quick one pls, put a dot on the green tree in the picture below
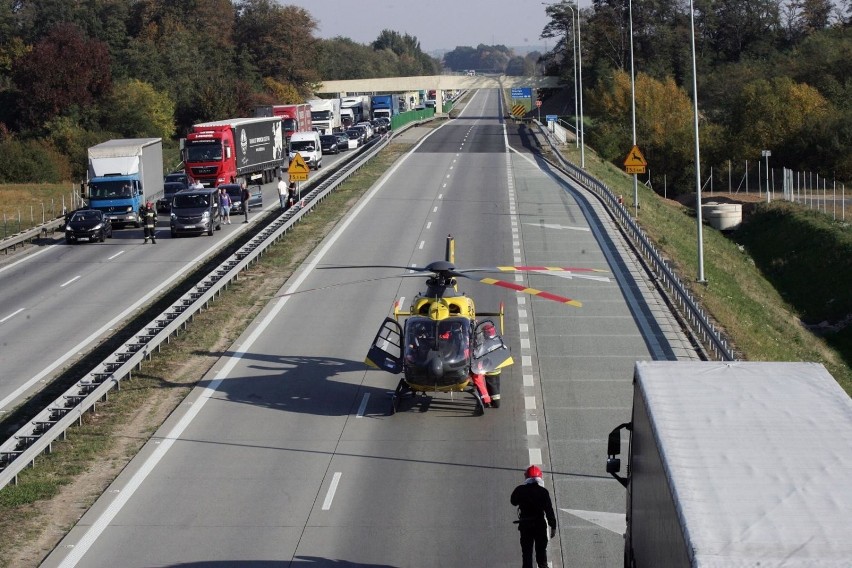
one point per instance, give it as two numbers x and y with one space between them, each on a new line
135 109
62 71
278 39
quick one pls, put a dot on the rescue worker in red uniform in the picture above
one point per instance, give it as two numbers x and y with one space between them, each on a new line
148 215
535 513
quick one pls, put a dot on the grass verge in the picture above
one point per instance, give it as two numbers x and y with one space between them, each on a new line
738 292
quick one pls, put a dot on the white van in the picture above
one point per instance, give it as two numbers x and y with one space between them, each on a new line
308 145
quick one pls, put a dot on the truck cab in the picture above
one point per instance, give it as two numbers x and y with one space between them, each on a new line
118 197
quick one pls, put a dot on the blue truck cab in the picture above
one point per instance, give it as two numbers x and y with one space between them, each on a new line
122 174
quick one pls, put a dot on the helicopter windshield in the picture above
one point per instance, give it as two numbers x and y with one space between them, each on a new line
454 339
419 340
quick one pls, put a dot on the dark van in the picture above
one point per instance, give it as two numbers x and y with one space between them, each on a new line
195 211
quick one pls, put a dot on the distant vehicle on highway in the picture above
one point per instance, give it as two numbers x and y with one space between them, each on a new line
88 225
368 126
328 142
342 140
177 177
356 137
164 204
235 192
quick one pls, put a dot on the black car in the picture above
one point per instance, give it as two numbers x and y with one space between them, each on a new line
179 177
342 140
386 121
379 126
164 204
235 192
356 137
87 225
329 144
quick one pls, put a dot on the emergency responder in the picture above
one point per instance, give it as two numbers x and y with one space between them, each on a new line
535 513
148 215
492 380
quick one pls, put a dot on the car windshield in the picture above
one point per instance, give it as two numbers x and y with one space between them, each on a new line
86 216
109 189
328 139
204 152
302 145
190 200
353 134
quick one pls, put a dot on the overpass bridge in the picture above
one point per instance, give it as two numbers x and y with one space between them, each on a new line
436 82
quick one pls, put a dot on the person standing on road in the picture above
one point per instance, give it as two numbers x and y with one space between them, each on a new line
148 215
244 195
282 192
535 513
225 205
293 193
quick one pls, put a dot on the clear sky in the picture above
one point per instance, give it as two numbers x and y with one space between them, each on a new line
437 25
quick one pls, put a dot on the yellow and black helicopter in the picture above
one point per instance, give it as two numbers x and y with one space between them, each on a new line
443 344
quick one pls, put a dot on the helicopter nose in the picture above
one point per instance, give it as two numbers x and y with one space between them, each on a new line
436 368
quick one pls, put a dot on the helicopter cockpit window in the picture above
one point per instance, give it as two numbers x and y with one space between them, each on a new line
419 339
454 339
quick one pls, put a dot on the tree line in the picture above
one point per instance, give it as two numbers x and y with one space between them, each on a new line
73 74
772 75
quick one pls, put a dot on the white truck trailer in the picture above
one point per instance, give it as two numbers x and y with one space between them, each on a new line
325 115
735 464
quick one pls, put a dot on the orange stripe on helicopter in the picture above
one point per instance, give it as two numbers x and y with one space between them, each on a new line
531 291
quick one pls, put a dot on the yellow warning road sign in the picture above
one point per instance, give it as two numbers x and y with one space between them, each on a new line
635 162
298 166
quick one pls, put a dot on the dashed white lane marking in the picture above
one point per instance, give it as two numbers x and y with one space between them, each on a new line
532 427
535 456
13 314
70 281
329 497
615 522
363 407
116 255
529 402
422 244
528 380
435 210
440 196
429 225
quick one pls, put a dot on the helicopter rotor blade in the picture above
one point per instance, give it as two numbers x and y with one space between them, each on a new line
519 288
541 269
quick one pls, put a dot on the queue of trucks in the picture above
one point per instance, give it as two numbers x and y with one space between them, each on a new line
123 173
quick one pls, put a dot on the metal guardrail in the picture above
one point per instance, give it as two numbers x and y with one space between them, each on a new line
36 437
31 234
691 311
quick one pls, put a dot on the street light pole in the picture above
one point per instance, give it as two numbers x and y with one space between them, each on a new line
699 220
580 73
574 61
633 107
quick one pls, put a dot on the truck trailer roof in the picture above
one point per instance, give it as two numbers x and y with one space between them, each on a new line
234 122
121 148
759 458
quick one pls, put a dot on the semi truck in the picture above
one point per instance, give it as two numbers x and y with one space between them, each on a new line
356 107
325 115
385 106
121 173
736 464
235 150
295 118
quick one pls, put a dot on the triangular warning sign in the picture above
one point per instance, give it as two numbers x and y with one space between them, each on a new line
635 158
298 165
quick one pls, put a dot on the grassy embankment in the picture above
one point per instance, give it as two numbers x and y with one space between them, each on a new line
785 267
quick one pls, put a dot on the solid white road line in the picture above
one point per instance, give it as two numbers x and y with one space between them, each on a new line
329 497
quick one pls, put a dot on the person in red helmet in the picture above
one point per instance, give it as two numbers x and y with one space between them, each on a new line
148 215
535 513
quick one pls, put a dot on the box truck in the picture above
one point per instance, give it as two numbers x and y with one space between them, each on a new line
235 150
357 106
121 173
736 464
294 118
385 106
325 115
